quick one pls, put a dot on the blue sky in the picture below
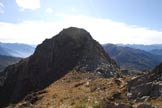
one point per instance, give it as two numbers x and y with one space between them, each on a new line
109 21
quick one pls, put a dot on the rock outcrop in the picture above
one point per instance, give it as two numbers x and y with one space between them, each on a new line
146 85
72 48
143 105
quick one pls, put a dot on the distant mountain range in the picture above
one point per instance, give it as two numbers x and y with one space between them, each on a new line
128 56
143 47
155 49
157 52
11 53
134 57
16 49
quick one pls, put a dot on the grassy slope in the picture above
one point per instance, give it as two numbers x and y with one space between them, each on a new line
83 90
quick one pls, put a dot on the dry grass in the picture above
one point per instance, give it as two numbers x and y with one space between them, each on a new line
83 90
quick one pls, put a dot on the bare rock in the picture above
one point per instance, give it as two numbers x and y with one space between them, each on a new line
143 105
147 85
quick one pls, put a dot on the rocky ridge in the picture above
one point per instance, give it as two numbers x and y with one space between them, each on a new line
71 49
147 85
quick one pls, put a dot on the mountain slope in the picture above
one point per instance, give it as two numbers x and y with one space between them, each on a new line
71 49
78 90
7 60
147 86
142 47
16 50
157 52
133 59
3 52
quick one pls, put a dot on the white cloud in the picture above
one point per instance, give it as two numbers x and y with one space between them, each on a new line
73 9
103 30
49 10
28 4
2 8
2 5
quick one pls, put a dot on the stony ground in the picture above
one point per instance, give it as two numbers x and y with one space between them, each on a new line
85 90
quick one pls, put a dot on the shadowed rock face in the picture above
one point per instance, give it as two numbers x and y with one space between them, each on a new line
72 48
147 85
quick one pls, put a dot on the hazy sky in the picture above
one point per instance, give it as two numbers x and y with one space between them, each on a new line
108 21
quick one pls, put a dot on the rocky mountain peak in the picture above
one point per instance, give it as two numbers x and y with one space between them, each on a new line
75 33
72 48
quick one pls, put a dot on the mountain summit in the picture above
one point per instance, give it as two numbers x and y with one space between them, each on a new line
71 49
